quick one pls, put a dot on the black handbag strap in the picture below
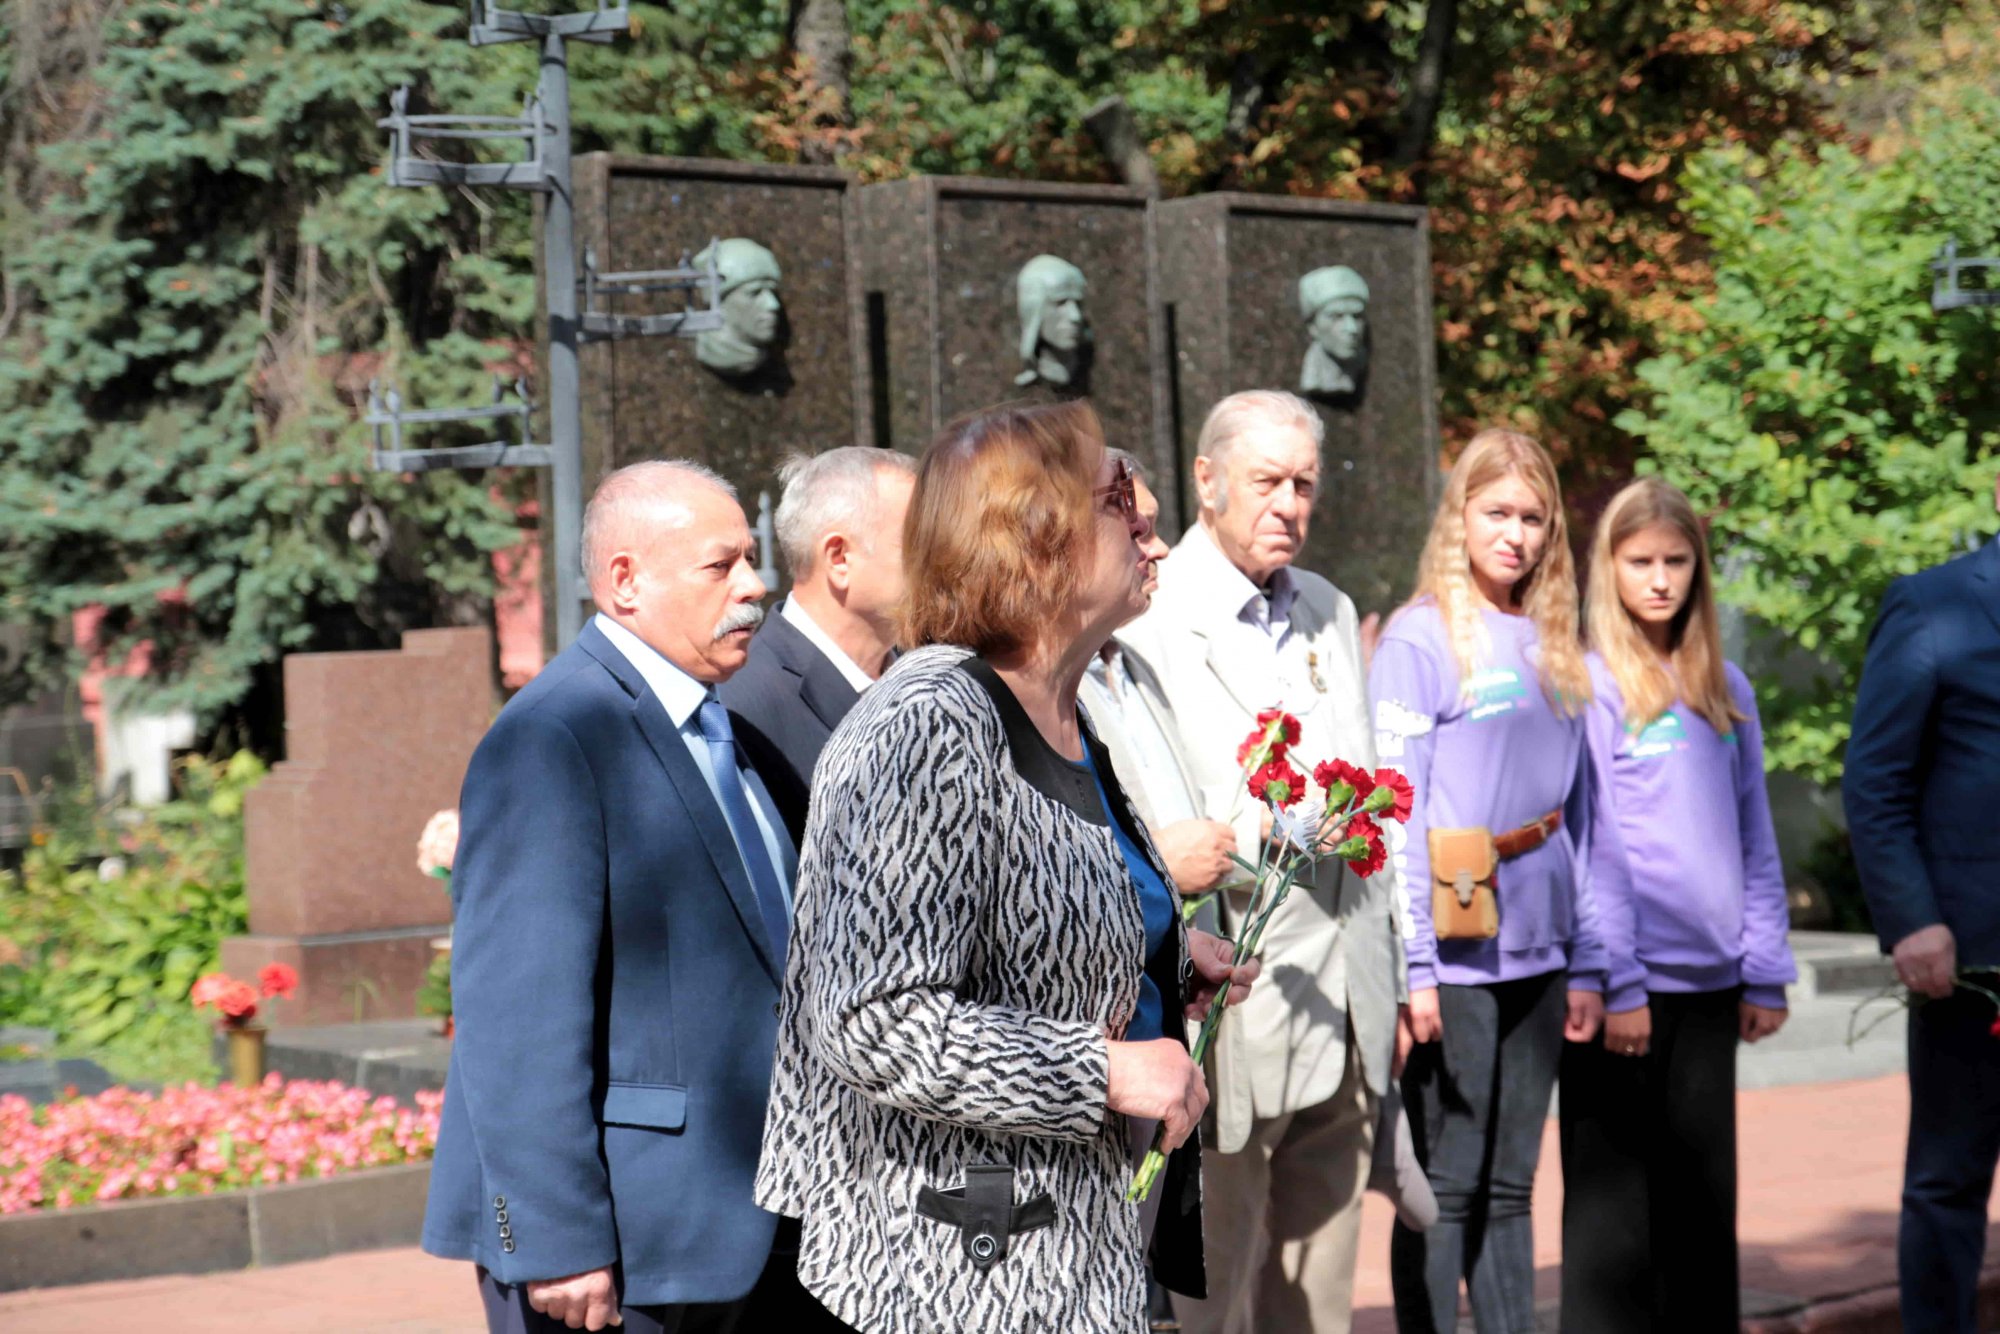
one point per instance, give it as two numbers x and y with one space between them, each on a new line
984 1212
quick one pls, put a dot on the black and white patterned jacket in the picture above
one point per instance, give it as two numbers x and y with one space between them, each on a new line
962 947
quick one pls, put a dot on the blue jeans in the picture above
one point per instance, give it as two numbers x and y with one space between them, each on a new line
1477 1100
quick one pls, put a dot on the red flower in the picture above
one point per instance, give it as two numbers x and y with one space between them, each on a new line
1995 1030
238 1000
1254 746
1397 807
1331 772
1278 783
208 989
1362 847
277 979
1277 731
1289 728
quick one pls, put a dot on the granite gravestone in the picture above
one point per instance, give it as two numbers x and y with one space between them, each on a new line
375 744
984 291
1331 300
786 373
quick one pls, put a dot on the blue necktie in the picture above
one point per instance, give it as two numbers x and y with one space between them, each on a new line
714 721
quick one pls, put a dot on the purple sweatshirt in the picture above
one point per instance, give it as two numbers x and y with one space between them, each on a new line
1493 754
1683 860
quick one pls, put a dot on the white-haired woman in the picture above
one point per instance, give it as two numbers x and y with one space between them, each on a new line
1480 691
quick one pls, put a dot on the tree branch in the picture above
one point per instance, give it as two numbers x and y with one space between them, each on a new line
1111 124
817 31
1420 113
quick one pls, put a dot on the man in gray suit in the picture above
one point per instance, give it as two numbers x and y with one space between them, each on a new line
1298 1068
840 526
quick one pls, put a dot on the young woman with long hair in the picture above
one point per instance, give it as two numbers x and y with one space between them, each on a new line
1691 904
1480 691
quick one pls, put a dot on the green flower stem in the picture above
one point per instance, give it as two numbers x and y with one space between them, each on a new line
1268 893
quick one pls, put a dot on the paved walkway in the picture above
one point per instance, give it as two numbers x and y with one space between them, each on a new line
1821 1168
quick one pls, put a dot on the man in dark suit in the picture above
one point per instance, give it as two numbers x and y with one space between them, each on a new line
840 525
1921 788
622 902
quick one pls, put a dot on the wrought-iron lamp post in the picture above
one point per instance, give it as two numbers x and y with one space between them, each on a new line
543 130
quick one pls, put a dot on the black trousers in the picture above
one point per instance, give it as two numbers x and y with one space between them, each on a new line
1948 1170
1649 1175
1477 1101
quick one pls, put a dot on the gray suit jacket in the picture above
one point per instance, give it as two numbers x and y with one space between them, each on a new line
1333 956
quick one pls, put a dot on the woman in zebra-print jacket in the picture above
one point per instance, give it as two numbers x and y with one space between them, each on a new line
987 965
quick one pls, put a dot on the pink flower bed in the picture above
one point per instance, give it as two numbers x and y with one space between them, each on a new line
123 1145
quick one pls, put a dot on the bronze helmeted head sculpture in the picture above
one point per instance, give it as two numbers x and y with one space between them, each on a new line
1055 330
752 314
1333 301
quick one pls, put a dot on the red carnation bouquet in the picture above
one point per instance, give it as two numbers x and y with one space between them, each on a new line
1345 822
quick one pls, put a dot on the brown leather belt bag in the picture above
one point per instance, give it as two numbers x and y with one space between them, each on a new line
1465 869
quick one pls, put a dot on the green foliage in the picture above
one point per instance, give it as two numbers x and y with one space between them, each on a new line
207 270
1838 431
434 996
111 919
200 268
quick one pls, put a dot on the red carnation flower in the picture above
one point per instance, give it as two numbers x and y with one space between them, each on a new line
1397 808
1364 837
1278 783
277 979
238 1000
1331 772
1289 729
208 989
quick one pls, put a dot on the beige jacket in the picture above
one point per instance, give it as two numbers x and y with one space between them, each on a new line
1333 956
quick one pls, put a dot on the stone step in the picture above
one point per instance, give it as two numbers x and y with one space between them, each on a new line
1839 963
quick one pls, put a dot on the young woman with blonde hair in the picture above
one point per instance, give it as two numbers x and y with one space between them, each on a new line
1480 691
1691 901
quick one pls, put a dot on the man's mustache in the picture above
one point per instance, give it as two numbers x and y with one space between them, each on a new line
742 616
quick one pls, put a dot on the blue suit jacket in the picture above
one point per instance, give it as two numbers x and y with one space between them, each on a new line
784 705
1922 783
615 1003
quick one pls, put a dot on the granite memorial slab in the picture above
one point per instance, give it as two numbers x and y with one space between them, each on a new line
1331 300
787 370
375 744
982 291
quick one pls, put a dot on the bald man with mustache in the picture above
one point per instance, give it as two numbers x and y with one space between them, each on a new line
621 905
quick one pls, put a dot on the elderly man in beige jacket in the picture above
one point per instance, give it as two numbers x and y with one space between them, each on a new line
1298 1068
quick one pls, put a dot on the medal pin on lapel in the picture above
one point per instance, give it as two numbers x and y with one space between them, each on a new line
1312 670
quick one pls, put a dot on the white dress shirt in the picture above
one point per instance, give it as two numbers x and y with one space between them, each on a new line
680 695
821 640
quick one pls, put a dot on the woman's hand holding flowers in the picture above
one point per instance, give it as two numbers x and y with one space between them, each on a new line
1159 1081
1214 966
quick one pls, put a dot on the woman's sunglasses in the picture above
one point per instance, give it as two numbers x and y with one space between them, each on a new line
1123 494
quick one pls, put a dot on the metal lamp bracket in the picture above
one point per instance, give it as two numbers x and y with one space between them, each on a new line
599 325
490 25
388 420
1946 294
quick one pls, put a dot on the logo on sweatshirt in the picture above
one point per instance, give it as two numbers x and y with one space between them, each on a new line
1664 735
1493 692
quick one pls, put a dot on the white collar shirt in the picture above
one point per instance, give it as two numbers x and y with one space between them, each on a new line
850 670
680 695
